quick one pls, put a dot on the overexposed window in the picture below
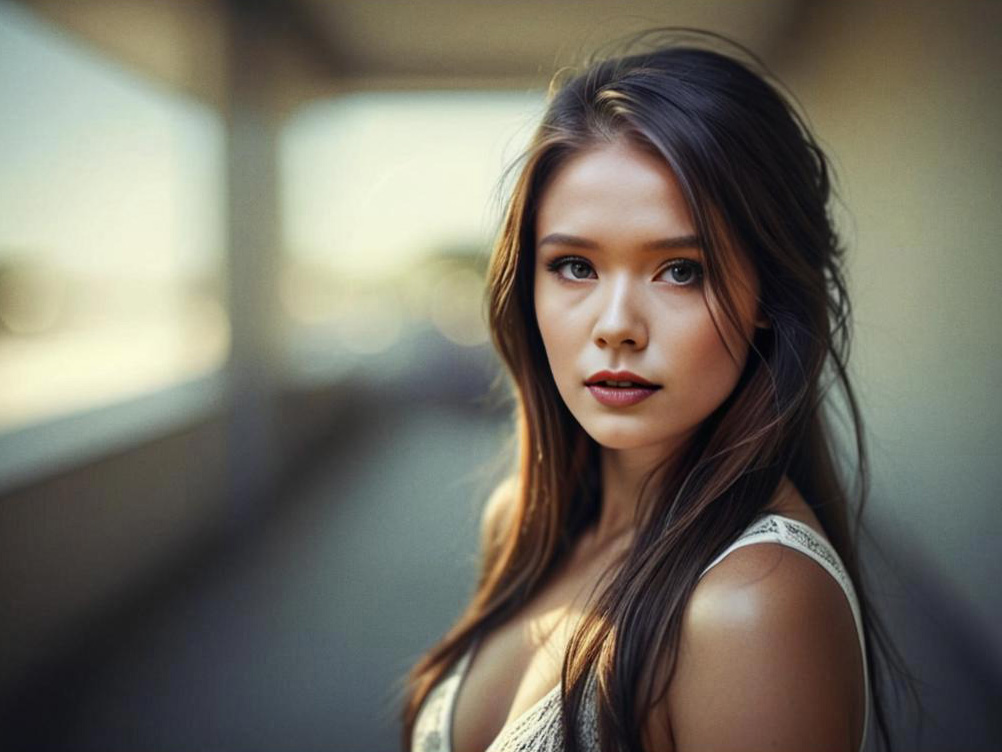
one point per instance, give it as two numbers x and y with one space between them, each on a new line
390 202
111 228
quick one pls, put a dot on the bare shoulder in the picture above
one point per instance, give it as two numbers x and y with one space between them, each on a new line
497 513
768 659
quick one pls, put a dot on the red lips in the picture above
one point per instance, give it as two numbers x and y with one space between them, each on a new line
620 376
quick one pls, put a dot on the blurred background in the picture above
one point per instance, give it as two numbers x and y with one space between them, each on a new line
246 424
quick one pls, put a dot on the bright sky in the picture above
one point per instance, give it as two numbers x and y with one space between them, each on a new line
116 185
107 174
370 180
110 177
104 172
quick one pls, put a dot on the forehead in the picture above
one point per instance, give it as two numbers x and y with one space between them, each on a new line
619 197
612 189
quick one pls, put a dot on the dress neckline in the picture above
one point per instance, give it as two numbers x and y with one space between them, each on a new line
463 671
463 668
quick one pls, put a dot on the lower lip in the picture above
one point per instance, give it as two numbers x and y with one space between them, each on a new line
619 397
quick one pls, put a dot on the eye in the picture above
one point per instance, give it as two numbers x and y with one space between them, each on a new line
577 268
684 272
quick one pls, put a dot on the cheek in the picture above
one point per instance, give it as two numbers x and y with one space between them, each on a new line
560 359
561 335
725 360
552 332
701 358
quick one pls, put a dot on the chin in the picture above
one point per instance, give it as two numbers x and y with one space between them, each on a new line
621 438
621 433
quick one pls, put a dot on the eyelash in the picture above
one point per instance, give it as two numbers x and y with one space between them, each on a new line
557 264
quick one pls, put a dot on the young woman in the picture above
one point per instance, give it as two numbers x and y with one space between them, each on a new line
667 297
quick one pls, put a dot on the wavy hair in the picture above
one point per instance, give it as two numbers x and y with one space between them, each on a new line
756 180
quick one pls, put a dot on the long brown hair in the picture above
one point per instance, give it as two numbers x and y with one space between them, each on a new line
755 180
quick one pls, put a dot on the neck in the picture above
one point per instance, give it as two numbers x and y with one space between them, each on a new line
623 474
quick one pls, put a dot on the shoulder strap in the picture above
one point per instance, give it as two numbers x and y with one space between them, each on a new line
774 528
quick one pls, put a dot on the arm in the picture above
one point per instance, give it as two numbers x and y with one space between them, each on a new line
768 660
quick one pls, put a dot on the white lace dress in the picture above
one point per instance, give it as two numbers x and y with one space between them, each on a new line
538 729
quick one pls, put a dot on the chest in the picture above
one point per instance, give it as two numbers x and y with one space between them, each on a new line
516 668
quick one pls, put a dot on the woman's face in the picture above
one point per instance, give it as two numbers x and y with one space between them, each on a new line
619 287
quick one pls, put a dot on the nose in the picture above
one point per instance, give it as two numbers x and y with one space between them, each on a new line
620 322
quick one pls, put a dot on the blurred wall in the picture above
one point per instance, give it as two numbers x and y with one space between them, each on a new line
76 543
907 99
102 514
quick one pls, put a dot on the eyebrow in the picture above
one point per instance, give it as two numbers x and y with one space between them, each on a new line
662 244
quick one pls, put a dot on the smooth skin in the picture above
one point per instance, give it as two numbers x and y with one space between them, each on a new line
769 658
618 286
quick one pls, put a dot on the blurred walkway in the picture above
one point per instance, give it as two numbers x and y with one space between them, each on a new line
294 639
294 636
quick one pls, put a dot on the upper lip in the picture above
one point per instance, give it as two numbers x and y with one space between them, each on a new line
619 376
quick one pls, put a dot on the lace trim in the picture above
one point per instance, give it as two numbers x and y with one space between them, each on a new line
802 535
427 735
434 719
539 729
808 539
768 525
